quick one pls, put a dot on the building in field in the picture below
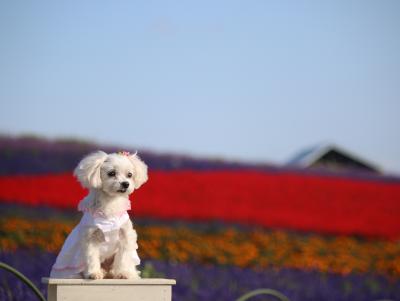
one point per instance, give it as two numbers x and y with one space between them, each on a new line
334 158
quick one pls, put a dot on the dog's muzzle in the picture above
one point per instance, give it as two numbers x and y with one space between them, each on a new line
124 186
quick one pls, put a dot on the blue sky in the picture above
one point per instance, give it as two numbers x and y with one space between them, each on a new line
251 80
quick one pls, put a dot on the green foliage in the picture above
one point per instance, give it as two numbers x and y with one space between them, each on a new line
150 272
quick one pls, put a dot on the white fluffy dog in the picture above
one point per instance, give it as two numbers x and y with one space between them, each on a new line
104 243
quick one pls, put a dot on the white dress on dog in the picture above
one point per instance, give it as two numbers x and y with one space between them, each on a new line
70 262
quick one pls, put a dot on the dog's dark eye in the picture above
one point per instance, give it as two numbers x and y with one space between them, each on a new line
111 173
129 175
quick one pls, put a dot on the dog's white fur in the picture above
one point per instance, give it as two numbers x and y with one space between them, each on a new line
103 174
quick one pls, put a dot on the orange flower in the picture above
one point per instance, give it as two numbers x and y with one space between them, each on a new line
257 249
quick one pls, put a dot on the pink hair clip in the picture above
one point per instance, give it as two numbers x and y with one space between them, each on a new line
124 153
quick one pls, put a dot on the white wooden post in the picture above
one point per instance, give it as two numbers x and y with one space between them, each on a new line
109 289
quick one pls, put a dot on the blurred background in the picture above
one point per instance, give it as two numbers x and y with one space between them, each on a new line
270 129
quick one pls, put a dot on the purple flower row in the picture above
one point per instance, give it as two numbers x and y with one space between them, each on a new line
36 155
207 282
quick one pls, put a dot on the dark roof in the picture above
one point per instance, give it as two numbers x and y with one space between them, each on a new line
311 156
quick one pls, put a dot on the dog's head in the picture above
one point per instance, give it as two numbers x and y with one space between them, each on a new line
117 173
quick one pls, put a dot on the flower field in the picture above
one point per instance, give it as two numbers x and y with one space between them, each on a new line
219 232
306 202
212 282
254 248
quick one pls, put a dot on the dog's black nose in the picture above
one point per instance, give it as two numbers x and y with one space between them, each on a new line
125 184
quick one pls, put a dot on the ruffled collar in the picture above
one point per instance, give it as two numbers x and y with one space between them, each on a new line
86 206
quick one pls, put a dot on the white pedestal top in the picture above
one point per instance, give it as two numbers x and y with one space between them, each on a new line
143 281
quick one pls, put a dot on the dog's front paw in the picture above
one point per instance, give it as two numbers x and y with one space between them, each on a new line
125 274
94 275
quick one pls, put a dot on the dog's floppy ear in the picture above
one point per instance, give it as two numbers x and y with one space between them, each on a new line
140 174
88 170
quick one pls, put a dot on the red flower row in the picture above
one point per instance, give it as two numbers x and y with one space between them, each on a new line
323 204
